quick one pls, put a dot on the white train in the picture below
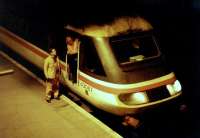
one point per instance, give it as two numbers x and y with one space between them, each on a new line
120 67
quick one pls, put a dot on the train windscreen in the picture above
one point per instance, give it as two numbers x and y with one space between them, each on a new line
134 49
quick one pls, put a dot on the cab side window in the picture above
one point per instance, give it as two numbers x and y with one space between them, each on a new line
89 59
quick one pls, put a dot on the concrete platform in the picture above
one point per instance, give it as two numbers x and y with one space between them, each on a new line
25 114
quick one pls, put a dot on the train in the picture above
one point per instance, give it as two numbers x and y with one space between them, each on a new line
121 69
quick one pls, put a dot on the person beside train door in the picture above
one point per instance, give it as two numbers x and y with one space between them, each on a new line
72 57
52 72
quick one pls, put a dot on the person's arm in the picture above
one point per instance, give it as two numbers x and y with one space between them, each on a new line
58 62
58 72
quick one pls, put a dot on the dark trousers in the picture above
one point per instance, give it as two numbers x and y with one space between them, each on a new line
72 61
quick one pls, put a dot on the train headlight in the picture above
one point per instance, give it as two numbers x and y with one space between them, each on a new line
139 97
134 98
174 88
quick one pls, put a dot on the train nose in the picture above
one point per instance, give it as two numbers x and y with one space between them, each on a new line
151 95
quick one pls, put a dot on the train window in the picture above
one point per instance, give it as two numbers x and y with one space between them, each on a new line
134 49
89 59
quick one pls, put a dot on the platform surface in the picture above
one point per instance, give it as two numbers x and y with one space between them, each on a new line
25 114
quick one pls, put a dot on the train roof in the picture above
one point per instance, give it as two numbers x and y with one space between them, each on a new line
117 26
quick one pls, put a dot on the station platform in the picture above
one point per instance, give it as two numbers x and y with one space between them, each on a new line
25 114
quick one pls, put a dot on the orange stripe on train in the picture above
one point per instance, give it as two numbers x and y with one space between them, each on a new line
129 90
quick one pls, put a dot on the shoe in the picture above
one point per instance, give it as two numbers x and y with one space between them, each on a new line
48 100
57 98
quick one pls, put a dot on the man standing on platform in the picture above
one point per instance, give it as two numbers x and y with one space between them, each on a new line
52 72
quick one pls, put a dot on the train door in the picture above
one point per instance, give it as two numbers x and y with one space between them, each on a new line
72 57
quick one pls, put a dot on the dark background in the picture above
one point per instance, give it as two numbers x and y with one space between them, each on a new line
177 25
